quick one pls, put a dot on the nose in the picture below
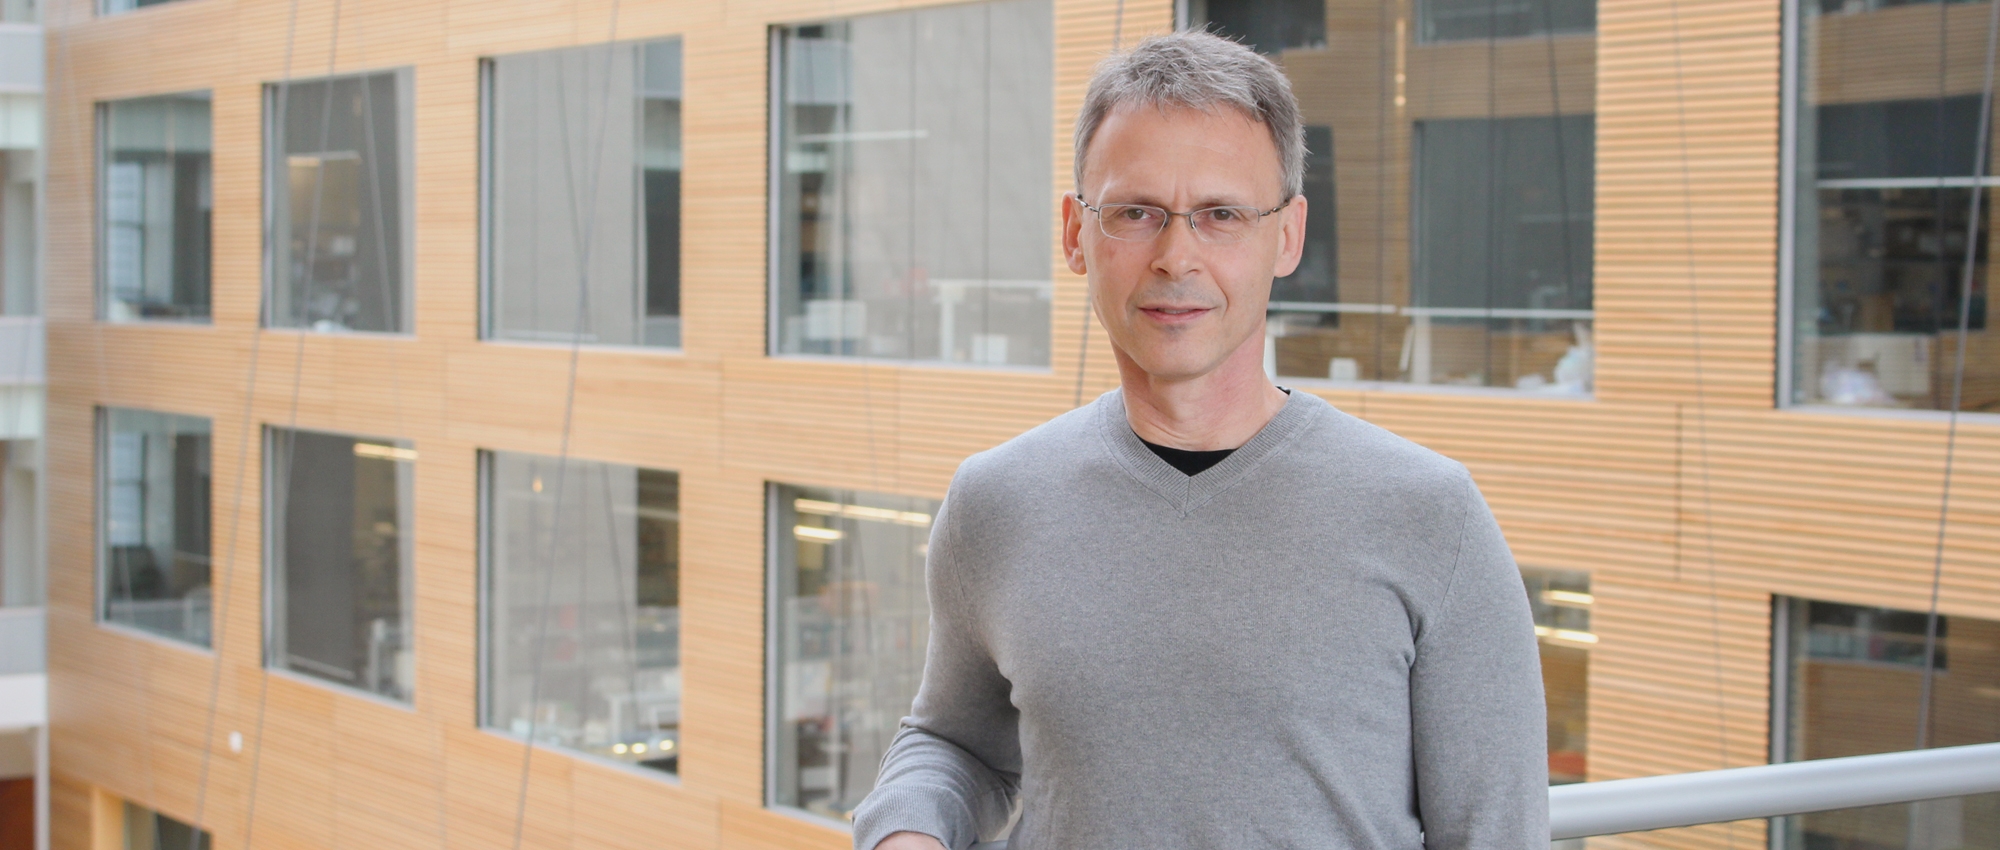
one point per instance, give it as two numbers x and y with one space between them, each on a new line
1177 250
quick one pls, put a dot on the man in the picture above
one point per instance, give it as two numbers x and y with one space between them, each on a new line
1203 611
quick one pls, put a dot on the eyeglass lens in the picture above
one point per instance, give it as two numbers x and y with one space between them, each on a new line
1137 222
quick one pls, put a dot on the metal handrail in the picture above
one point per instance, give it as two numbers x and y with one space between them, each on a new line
1742 793
1771 790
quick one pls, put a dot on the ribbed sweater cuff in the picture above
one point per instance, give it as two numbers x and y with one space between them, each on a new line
913 808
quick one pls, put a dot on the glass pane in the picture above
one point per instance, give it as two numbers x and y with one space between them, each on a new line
912 169
153 493
336 195
155 208
584 216
1447 20
112 7
23 572
583 560
852 622
339 511
1885 240
1449 187
1856 682
20 185
1561 602
146 829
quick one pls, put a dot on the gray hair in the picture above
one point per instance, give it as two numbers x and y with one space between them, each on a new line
1199 70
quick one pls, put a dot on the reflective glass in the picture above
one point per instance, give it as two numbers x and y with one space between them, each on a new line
1855 683
850 625
1561 601
153 497
112 7
155 207
915 214
146 829
584 194
1883 237
337 167
338 514
23 570
1450 189
583 561
20 190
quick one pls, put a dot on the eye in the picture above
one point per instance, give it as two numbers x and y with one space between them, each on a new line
1133 213
1225 214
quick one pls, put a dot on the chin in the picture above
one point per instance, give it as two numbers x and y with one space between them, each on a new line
1171 368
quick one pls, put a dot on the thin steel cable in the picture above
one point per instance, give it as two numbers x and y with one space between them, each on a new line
1083 343
1562 153
219 617
281 483
626 612
1495 142
584 228
1972 234
1700 397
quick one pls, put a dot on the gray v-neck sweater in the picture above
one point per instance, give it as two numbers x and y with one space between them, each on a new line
1321 641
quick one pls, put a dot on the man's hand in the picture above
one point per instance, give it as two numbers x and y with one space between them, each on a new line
910 841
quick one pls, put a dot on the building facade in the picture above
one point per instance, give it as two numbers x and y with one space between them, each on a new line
519 425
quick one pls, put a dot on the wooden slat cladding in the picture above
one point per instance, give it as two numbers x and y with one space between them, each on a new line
1690 504
1687 200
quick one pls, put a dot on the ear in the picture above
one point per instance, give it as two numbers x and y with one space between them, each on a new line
1291 237
1072 233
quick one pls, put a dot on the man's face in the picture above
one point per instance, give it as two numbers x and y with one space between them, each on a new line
1176 306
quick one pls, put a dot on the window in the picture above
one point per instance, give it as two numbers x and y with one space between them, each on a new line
850 623
146 829
1457 20
22 564
153 503
1883 145
584 195
583 561
113 7
155 207
914 212
338 162
1561 602
338 514
1853 683
1450 192
20 185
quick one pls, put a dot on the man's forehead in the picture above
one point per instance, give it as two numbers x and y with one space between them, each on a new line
1220 153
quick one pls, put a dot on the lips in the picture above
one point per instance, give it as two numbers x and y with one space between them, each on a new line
1174 315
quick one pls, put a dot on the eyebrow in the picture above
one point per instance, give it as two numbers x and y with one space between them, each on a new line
1204 203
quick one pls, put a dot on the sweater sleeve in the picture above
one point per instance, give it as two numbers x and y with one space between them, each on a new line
953 769
1479 725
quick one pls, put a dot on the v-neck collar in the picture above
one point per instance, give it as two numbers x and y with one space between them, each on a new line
1186 492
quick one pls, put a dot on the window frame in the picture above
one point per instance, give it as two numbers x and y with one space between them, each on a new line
101 160
269 154
1785 363
776 535
484 612
100 518
271 575
487 194
774 208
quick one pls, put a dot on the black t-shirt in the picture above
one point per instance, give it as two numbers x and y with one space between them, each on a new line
1189 463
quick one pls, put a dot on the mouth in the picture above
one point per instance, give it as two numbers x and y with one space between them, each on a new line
1174 315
